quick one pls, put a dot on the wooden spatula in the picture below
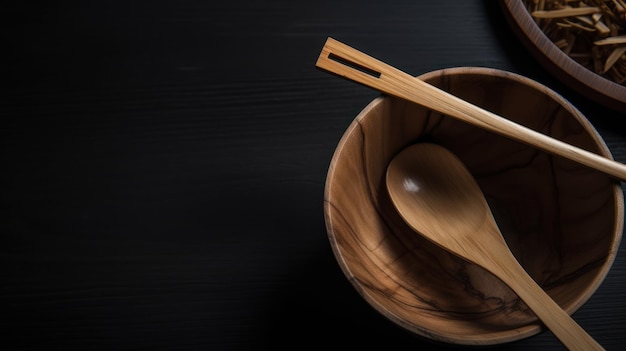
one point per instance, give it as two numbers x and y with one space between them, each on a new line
347 62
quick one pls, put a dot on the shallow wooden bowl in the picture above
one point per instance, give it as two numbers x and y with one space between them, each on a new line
563 221
585 81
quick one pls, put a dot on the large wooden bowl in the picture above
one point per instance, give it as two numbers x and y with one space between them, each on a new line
563 221
584 80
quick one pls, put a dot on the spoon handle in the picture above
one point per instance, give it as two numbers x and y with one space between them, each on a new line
347 62
562 325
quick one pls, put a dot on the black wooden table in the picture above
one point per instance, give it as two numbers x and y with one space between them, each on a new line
163 167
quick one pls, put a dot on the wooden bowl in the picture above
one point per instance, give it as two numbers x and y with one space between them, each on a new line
563 221
598 88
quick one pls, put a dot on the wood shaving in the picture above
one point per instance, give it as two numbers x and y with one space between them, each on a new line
591 32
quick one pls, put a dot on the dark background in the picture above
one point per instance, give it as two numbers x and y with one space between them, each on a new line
163 166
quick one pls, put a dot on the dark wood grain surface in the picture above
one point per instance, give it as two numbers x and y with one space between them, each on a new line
163 167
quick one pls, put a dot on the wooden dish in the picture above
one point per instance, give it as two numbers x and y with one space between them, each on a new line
563 221
581 79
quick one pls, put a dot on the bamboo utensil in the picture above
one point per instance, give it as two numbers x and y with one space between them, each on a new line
438 197
347 62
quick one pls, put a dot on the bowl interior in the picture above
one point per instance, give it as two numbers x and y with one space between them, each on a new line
563 221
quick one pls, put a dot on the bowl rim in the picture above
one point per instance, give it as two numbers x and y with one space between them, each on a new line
586 82
493 338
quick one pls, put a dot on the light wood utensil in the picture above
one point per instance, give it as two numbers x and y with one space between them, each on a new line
347 62
438 197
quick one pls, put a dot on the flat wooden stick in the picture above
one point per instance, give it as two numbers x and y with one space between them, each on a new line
349 63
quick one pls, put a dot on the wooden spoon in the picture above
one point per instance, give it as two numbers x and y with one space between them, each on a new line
343 60
438 197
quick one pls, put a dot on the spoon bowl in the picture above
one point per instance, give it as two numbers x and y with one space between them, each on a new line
438 197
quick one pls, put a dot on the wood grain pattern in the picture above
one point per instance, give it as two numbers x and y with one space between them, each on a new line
437 196
564 234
